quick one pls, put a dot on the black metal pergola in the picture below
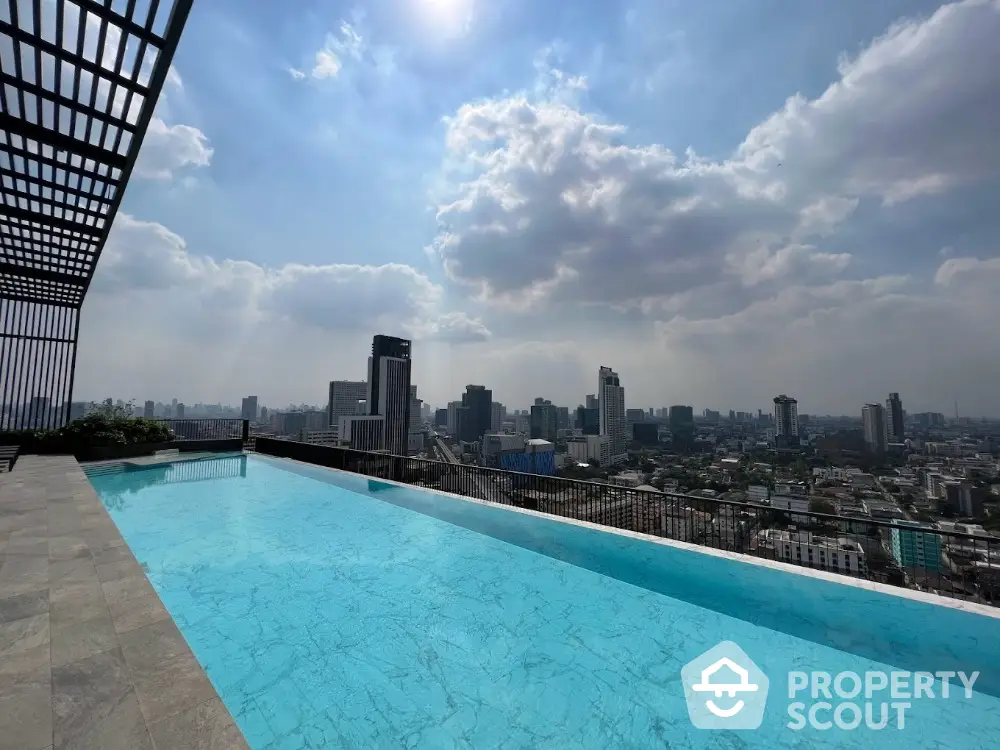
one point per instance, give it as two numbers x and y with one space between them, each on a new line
79 80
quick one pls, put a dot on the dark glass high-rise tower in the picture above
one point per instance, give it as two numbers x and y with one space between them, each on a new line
894 418
389 389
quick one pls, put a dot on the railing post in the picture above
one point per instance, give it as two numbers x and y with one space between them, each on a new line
246 430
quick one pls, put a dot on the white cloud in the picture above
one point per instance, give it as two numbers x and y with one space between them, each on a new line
169 148
154 298
555 212
957 269
174 78
328 61
559 202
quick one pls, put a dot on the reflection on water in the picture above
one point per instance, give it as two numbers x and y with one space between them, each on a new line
127 480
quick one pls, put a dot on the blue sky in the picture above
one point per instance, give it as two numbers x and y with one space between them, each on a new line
336 158
300 171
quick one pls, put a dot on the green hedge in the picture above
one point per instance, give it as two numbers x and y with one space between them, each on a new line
92 431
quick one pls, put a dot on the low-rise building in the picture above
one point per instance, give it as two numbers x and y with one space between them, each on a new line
626 479
321 437
837 554
587 448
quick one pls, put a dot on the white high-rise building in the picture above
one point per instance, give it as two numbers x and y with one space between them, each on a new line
611 399
786 416
344 397
362 433
876 430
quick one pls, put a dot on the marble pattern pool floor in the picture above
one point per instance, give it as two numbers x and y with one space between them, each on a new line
326 617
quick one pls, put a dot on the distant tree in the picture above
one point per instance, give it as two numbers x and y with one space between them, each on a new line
112 412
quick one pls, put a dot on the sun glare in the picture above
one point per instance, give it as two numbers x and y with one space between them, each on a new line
446 18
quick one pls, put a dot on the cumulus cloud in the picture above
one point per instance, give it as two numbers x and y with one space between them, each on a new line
558 199
144 257
167 149
553 210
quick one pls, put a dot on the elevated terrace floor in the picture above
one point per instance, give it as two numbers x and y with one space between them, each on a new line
89 657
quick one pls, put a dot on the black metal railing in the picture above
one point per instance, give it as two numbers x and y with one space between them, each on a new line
952 563
207 429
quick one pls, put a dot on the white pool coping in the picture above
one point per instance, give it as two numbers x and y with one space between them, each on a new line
881 588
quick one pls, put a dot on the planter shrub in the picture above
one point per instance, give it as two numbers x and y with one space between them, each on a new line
97 430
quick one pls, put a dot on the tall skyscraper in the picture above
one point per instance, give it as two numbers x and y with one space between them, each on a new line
179 410
452 423
479 401
786 416
344 397
874 424
148 410
498 415
249 410
611 402
588 420
592 401
416 419
389 389
544 420
682 425
894 418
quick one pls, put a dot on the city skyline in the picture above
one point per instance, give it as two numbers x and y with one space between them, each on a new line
362 386
719 222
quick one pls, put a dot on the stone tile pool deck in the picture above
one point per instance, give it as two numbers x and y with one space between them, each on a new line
89 657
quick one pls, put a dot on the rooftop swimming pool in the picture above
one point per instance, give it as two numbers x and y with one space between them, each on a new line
333 610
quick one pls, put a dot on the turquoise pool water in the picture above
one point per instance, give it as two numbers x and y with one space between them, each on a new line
330 610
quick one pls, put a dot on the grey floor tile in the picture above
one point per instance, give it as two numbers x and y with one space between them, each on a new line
137 613
64 522
67 547
24 520
25 706
76 639
124 589
23 662
73 570
207 726
20 635
28 545
171 686
102 538
147 646
113 555
79 600
23 573
24 605
116 571
94 705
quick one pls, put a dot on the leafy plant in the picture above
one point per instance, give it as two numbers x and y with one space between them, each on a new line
106 425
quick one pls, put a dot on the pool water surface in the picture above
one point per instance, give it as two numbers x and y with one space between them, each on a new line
331 611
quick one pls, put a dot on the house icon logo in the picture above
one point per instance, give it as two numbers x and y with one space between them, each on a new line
724 689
